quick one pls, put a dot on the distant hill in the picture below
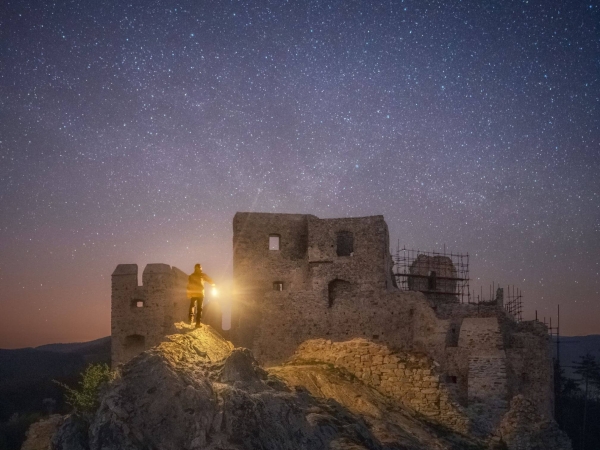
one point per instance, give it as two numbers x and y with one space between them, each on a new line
26 374
98 346
573 347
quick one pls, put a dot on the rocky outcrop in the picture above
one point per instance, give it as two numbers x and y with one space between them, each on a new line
40 433
72 434
393 425
522 428
195 391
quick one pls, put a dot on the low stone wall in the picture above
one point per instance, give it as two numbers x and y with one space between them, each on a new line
410 378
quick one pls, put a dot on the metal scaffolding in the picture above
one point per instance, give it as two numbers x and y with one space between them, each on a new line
443 276
514 303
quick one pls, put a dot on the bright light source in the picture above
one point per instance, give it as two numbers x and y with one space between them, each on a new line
214 292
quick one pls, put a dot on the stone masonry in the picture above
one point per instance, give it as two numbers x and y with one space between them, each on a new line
414 379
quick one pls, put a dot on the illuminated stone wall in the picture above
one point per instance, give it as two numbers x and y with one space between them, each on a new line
411 378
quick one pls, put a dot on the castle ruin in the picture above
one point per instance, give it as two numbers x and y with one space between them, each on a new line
300 280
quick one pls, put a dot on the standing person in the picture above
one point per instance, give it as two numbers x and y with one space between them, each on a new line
195 291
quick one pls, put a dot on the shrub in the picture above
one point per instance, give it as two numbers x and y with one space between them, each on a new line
86 398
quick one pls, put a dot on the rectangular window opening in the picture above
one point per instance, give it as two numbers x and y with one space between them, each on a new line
278 286
274 242
345 243
432 281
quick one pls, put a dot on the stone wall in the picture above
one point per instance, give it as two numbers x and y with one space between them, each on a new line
487 391
530 371
255 266
480 334
142 315
526 344
412 379
287 319
369 265
523 428
480 349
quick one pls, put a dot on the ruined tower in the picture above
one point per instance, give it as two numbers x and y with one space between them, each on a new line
324 264
142 315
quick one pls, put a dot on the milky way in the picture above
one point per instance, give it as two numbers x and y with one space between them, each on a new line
131 132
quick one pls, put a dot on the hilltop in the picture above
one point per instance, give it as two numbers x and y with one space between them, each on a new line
197 391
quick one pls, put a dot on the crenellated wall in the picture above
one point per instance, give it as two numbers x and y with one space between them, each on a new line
142 315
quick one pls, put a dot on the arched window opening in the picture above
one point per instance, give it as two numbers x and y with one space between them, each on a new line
432 280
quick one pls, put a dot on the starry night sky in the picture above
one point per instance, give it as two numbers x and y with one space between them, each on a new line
131 132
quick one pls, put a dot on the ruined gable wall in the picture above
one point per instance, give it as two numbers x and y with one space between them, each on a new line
487 389
135 329
306 262
528 352
257 267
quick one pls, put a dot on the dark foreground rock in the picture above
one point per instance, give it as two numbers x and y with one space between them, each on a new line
72 435
196 392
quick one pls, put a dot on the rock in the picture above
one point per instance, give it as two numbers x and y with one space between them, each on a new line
242 367
72 434
522 428
40 433
195 391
